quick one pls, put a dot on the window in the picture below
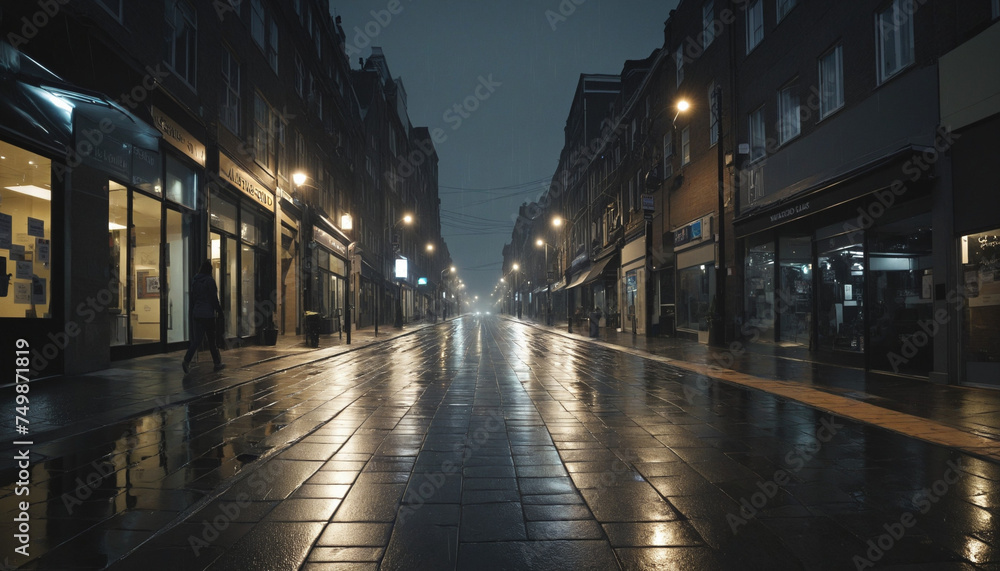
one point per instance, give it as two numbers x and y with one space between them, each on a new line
685 146
181 39
263 132
114 7
755 24
668 155
713 116
831 82
300 77
788 113
25 244
229 108
758 142
679 60
895 39
996 9
784 7
272 47
257 30
707 23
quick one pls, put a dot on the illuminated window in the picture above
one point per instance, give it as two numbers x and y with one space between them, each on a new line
25 233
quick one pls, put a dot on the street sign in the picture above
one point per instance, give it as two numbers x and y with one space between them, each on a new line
648 204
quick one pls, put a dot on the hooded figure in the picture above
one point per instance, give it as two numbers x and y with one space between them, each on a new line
204 307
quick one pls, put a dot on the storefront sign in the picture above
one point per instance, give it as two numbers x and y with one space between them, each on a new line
179 137
246 183
36 227
687 234
789 212
329 242
402 268
648 203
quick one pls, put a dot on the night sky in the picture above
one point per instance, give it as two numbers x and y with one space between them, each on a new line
531 54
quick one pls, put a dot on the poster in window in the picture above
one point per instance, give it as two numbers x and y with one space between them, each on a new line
17 253
38 291
22 293
147 284
42 251
36 227
23 271
6 231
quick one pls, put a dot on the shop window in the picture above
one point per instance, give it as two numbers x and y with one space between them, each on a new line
223 214
840 322
182 183
980 277
25 233
760 294
794 299
901 280
118 262
695 289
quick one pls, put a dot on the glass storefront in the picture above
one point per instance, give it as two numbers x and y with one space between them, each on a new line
759 284
330 288
795 290
134 226
25 233
979 278
840 322
901 279
695 290
240 249
289 321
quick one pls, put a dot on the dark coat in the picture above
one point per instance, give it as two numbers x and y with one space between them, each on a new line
204 297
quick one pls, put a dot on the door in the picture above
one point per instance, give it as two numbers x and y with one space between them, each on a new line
840 323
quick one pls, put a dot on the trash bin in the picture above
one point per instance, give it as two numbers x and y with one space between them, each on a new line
595 323
312 328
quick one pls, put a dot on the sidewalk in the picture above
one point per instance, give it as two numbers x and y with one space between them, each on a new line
965 418
70 404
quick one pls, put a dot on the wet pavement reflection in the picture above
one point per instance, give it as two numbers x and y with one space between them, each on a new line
486 444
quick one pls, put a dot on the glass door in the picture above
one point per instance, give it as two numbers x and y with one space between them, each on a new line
902 296
223 256
145 318
841 316
120 307
795 295
177 284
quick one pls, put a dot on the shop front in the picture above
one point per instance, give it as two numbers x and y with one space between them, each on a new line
241 230
632 286
694 256
329 292
846 274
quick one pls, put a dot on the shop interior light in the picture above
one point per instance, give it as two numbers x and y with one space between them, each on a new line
115 226
32 190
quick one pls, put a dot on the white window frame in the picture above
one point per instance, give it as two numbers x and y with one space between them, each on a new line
894 36
831 88
713 131
188 70
263 131
685 146
789 113
679 62
258 24
755 24
757 131
272 46
229 112
784 7
668 155
707 23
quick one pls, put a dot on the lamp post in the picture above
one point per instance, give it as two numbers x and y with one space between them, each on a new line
720 274
437 295
517 301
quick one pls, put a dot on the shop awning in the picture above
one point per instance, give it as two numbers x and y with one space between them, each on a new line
598 270
559 285
72 122
578 279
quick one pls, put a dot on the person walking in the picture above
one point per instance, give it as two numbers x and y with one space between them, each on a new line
204 307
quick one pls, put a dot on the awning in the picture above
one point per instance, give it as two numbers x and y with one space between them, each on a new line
75 123
559 285
578 279
598 270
